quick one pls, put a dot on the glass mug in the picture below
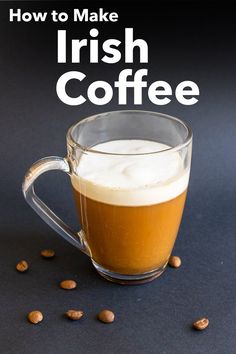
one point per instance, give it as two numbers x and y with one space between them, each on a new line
129 172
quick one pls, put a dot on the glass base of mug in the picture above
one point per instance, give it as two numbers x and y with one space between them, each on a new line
124 279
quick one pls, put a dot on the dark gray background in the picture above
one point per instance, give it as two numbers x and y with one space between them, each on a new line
187 41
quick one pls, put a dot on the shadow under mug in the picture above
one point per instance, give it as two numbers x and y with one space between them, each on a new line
128 233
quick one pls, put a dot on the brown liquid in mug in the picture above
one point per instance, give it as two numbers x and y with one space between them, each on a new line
130 239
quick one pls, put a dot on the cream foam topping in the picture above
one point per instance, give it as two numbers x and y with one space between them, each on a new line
131 180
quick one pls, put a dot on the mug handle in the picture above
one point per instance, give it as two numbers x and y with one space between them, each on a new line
48 164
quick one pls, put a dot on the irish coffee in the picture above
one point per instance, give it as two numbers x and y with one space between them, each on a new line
130 201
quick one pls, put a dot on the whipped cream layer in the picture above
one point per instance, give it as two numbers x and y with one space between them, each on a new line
130 180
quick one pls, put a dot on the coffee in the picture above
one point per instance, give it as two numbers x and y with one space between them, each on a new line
130 201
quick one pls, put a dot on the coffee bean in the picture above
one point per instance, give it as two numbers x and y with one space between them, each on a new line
74 314
106 316
174 261
47 253
22 266
68 284
201 324
35 317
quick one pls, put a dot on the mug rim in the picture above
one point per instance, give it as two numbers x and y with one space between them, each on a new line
178 147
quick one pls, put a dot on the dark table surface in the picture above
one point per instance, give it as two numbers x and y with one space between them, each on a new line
198 43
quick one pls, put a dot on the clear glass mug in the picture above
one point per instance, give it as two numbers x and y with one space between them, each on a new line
129 172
